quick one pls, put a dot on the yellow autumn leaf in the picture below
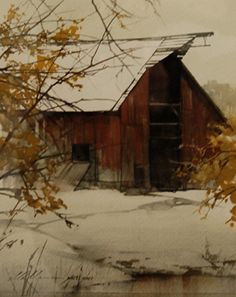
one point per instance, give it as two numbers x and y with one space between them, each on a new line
41 62
233 197
12 13
62 35
233 211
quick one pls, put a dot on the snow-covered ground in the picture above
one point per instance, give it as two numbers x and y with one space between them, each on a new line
118 237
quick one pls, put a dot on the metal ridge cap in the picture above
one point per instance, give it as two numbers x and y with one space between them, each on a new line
152 38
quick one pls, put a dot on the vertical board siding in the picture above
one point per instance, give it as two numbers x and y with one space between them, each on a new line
100 130
108 141
135 133
198 114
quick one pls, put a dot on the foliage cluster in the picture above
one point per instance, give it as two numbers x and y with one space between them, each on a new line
31 66
34 49
215 170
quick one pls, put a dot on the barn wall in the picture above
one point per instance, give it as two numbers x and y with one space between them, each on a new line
134 113
101 131
198 113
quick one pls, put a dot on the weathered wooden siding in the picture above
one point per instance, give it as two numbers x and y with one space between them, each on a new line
100 130
198 113
134 115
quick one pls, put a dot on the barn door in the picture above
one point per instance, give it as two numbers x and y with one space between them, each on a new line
165 140
165 124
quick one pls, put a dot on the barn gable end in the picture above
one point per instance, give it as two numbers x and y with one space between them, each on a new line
198 113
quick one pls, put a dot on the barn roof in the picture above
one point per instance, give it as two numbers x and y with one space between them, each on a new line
119 65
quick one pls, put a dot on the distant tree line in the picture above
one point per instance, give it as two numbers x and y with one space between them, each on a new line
224 96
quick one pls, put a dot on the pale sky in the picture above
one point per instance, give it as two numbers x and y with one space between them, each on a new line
177 17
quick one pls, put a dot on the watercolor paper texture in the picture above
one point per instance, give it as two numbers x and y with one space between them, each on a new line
117 148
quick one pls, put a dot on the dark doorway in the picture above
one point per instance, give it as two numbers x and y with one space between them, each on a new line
165 123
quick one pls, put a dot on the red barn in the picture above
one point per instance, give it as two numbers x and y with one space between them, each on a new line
137 121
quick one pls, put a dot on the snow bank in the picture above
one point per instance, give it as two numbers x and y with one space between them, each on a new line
118 237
